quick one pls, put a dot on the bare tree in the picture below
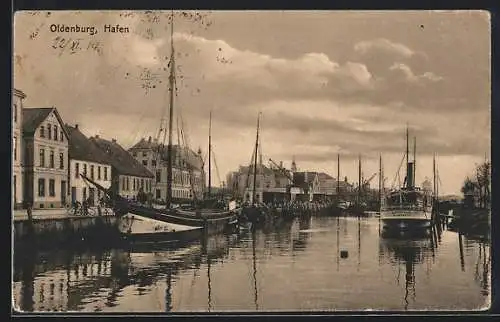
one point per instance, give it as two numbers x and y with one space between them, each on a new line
479 186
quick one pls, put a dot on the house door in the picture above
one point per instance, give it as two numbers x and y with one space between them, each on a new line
63 192
73 195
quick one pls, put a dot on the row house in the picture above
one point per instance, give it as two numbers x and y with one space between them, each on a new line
17 162
308 182
128 176
270 184
45 157
327 184
87 159
188 175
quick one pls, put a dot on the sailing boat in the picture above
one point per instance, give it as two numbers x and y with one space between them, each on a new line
359 207
340 205
253 212
211 208
140 221
409 207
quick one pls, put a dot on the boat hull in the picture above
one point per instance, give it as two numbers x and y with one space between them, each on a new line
178 237
404 220
134 228
201 218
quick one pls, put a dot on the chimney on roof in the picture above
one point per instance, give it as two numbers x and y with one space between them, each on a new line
97 136
149 139
76 126
113 140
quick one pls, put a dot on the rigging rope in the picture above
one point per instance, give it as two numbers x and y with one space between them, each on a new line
216 167
250 167
397 173
184 148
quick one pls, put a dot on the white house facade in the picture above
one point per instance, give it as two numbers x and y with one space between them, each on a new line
17 153
45 158
128 176
86 159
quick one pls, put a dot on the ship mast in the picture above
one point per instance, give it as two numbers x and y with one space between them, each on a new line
338 176
434 179
380 182
414 160
171 114
210 155
359 179
255 161
407 158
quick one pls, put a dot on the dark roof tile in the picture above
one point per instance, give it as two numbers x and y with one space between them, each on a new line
32 117
82 148
120 158
324 176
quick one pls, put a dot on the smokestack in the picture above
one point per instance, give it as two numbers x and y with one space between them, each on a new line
149 139
410 175
97 136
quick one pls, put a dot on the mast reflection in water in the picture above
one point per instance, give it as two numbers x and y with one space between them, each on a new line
288 266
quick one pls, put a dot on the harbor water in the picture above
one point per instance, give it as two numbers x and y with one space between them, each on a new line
308 264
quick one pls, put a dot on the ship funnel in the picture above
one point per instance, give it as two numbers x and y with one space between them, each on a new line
410 177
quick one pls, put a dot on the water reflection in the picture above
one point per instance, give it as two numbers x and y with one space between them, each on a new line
254 262
287 266
407 251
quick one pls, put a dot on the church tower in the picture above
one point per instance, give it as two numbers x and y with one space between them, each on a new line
294 165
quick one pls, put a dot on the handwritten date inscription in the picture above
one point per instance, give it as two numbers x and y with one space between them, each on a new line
75 45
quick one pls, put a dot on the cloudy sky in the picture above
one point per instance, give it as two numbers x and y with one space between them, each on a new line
327 83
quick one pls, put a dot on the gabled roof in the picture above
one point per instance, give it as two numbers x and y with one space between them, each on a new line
305 177
121 159
81 148
144 144
324 176
33 117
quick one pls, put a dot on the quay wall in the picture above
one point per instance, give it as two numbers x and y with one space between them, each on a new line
60 231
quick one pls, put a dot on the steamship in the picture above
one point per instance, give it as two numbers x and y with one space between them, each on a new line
409 207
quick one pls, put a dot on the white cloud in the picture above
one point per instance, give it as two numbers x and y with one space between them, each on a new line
431 76
365 46
312 70
410 76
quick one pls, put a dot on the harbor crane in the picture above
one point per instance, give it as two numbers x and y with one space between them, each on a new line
367 181
281 170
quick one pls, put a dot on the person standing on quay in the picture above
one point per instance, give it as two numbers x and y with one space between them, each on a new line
29 210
